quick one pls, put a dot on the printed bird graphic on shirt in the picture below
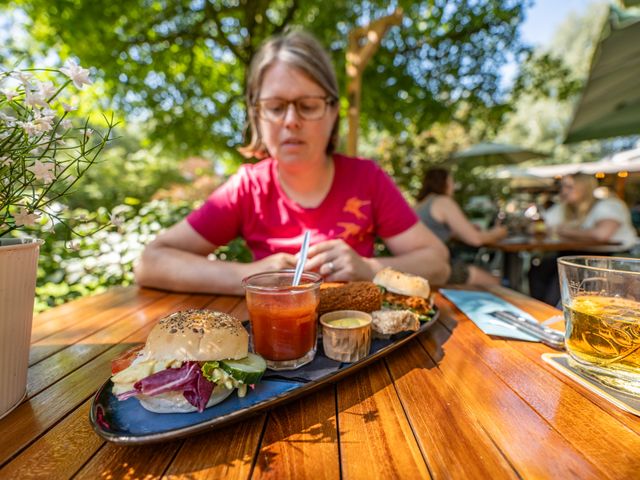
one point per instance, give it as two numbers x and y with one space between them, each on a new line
354 206
350 229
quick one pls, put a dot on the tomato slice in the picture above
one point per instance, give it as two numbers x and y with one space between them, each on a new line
123 360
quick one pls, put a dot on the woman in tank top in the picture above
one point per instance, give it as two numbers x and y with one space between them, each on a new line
443 216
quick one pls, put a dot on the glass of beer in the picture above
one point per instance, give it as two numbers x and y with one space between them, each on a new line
283 317
601 305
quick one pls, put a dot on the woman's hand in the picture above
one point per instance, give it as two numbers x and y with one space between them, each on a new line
277 261
337 261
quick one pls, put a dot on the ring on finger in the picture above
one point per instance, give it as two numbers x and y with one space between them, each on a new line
330 266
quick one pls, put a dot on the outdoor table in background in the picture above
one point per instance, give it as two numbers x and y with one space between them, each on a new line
511 247
453 403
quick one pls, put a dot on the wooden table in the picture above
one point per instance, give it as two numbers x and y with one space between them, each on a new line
513 246
453 403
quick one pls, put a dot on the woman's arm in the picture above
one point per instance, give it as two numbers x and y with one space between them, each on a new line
601 231
177 260
416 250
461 228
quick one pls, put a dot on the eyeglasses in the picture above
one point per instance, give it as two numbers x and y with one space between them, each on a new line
308 108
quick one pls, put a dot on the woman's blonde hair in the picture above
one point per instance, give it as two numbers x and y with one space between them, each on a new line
577 213
297 49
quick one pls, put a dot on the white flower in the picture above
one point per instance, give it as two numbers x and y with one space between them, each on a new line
10 94
46 89
43 171
34 99
116 220
73 245
68 108
66 124
87 133
24 217
76 73
24 77
43 123
29 128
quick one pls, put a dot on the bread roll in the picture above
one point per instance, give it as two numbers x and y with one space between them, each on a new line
389 322
197 335
402 283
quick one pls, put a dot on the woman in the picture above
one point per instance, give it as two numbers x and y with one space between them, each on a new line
444 217
300 184
581 216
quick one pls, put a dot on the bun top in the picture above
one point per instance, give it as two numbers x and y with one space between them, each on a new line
402 283
197 335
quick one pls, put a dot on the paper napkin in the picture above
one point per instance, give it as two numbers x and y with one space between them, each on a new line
477 306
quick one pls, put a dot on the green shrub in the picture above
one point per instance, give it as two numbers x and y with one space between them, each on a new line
91 264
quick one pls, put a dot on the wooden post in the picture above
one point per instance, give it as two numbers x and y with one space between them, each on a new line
363 43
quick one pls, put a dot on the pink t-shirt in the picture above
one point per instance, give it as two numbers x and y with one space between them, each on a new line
363 203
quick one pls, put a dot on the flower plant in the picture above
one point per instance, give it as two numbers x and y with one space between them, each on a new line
43 151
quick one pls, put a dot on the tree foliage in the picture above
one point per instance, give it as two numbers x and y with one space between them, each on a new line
181 65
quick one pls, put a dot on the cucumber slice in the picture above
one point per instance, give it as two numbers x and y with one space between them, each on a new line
247 370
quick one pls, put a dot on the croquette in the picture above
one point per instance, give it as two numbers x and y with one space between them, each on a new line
362 296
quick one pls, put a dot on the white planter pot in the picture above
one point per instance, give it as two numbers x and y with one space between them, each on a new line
18 271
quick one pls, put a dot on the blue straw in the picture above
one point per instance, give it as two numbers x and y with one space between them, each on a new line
302 259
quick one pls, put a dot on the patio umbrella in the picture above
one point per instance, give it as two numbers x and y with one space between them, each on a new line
610 103
488 153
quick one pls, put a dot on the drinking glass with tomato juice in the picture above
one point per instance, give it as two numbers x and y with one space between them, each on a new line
283 317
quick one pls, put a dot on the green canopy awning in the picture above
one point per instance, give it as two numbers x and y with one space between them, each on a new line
488 153
610 102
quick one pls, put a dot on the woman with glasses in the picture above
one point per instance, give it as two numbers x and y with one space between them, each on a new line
299 184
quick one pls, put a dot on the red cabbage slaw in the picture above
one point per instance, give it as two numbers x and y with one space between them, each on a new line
187 379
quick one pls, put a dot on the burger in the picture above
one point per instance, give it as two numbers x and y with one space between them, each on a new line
192 359
406 301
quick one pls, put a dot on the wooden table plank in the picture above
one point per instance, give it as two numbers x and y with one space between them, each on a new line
510 421
301 440
60 453
56 320
450 435
533 351
376 440
88 324
226 453
576 418
110 463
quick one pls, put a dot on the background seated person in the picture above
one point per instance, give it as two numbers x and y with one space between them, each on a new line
300 184
443 216
581 216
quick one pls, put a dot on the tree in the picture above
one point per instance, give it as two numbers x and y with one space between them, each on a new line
180 65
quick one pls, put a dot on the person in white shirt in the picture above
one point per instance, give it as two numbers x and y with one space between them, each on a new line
581 216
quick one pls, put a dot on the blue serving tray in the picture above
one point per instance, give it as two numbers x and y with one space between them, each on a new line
126 422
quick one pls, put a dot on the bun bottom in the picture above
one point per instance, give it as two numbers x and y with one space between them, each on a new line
174 402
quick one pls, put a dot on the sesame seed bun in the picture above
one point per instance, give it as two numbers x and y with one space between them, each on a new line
197 335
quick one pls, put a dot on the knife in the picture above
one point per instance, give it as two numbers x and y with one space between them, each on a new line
546 335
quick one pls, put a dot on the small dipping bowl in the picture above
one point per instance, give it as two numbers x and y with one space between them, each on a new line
346 335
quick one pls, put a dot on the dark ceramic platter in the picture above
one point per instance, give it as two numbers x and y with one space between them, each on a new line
129 424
